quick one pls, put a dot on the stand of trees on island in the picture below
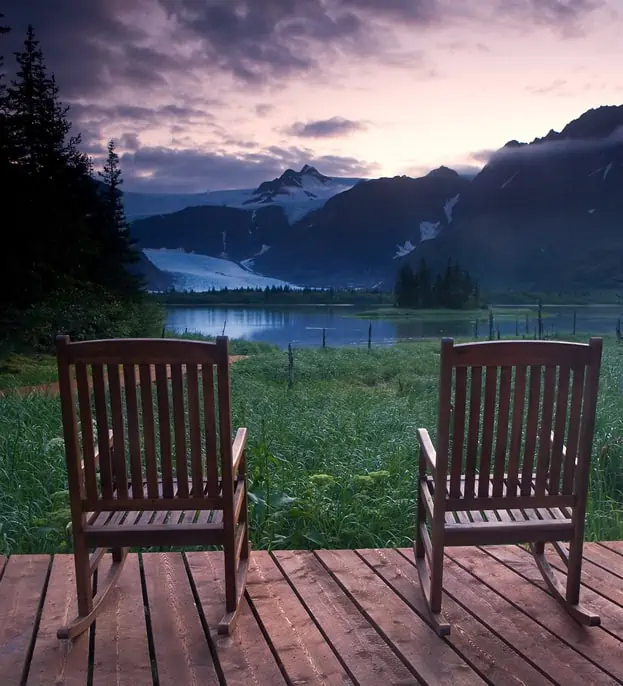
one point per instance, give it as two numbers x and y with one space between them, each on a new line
69 256
419 288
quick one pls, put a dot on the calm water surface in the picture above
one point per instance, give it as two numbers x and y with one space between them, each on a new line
303 325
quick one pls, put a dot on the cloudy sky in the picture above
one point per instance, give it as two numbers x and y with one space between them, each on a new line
208 94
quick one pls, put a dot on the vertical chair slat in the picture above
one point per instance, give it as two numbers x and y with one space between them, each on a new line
179 428
487 431
149 436
207 379
164 426
574 430
86 429
134 438
519 402
118 454
471 458
547 413
101 417
194 424
458 437
501 440
531 429
562 402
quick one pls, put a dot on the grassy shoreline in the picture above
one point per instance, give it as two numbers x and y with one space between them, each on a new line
332 461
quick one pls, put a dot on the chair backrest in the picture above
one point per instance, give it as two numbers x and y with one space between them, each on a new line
509 410
164 452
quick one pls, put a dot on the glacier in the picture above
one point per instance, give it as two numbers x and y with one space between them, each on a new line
196 272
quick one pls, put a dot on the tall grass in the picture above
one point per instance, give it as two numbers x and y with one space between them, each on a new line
332 461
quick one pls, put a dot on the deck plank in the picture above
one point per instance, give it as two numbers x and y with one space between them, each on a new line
605 557
492 657
430 658
368 658
305 655
600 590
21 592
581 645
616 547
55 662
121 654
245 657
182 652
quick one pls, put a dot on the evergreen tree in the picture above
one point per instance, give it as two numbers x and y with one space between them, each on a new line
118 247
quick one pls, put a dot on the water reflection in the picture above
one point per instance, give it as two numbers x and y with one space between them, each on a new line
302 326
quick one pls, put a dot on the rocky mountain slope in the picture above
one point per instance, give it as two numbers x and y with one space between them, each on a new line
544 215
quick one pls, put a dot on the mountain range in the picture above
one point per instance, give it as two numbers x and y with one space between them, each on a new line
542 215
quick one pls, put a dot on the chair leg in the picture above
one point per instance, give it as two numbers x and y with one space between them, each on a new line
569 598
431 577
236 553
88 606
235 583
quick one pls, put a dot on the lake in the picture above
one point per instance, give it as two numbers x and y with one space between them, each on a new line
302 325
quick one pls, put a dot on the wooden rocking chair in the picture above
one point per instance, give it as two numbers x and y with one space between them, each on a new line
534 487
158 503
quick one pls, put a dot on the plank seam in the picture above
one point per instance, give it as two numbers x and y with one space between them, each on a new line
266 635
558 567
375 626
449 642
534 619
489 628
605 546
3 567
150 636
35 629
599 564
91 654
314 620
204 623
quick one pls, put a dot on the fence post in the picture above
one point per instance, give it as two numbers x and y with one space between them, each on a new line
324 338
619 330
290 366
370 335
517 327
490 325
575 314
527 324
540 317
476 329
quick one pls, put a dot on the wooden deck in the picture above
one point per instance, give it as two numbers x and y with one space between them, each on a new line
325 617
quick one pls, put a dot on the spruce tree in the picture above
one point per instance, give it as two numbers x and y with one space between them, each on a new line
119 249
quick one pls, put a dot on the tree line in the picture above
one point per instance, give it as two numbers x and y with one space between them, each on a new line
454 288
64 232
275 295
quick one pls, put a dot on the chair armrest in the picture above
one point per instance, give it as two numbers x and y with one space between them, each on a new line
428 449
238 446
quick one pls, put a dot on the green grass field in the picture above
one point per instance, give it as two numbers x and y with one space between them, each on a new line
332 461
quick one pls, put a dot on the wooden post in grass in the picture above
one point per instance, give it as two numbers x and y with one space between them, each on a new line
163 332
290 366
490 325
575 314
498 331
370 335
476 329
527 324
516 327
540 321
324 338
618 330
